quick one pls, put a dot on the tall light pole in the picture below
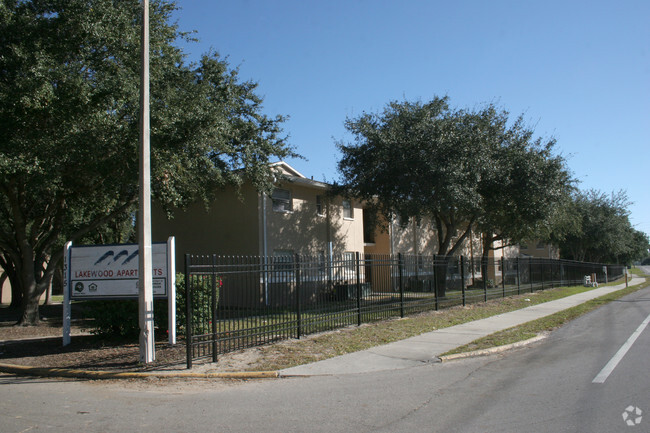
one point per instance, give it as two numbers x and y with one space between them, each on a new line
145 273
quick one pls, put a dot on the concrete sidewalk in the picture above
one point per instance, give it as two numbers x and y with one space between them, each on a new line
428 347
411 352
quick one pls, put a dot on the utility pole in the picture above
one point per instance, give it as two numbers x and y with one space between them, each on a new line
145 272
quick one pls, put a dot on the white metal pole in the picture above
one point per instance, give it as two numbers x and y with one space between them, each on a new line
66 293
171 290
145 273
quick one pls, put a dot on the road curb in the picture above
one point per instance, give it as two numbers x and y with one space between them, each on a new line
89 374
493 350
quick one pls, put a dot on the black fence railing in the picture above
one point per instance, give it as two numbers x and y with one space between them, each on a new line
238 302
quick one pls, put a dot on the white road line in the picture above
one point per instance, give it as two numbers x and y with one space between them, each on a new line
611 365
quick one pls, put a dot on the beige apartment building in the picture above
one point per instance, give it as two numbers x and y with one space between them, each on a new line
538 249
299 217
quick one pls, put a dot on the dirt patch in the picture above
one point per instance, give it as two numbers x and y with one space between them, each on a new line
42 346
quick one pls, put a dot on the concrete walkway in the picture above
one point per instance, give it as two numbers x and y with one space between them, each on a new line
428 347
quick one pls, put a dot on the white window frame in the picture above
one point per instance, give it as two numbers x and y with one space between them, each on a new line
282 200
347 209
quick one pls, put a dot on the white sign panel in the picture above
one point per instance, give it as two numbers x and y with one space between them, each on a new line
111 271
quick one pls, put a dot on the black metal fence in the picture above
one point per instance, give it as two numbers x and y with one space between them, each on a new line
238 302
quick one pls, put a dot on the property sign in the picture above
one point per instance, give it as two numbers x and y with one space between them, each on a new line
111 271
95 272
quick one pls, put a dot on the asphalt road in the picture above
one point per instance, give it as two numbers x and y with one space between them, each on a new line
548 387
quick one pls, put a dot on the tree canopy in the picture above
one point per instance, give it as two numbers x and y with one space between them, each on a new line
416 160
525 194
462 168
69 104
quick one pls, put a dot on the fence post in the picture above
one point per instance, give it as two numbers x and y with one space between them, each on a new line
188 313
435 292
298 306
435 278
401 284
214 307
484 270
518 278
503 276
530 273
358 270
542 273
551 263
462 277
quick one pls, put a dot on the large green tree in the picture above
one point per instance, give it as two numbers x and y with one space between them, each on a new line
416 160
524 195
464 169
69 104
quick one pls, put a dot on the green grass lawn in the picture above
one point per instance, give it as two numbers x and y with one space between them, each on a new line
545 324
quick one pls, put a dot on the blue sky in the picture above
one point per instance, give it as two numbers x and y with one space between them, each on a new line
577 70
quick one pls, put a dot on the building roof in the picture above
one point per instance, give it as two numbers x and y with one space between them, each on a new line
290 174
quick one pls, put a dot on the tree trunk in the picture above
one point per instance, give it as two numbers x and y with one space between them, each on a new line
16 291
30 314
484 267
32 290
3 278
441 266
488 241
48 296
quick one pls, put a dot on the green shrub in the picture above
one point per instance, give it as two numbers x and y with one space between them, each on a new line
201 303
119 318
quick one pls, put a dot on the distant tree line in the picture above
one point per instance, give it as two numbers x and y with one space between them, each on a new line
600 230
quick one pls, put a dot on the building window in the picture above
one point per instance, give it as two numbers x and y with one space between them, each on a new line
319 205
541 245
348 211
282 200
